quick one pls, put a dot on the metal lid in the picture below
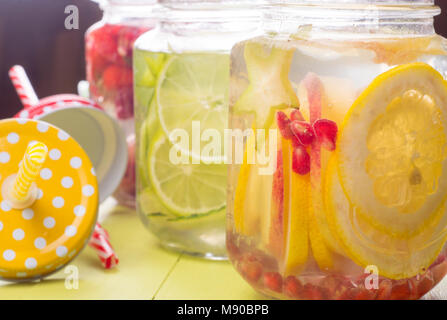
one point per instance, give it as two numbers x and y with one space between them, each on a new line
45 236
99 134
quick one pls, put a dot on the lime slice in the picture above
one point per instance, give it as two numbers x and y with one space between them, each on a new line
194 88
186 189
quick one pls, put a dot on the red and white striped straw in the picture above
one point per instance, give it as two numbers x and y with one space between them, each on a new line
101 243
23 86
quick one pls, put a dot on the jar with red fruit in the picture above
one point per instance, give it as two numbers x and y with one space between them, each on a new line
109 48
338 189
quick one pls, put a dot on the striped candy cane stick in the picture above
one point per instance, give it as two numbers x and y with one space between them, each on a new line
23 86
101 243
29 169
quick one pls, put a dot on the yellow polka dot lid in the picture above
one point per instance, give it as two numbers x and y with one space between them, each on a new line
48 201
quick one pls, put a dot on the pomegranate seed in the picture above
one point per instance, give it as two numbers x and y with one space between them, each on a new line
365 294
273 281
303 131
312 293
332 285
292 287
326 132
284 125
251 271
384 291
401 291
425 285
296 115
300 161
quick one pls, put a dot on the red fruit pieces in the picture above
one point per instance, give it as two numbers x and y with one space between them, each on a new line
293 287
124 103
277 209
251 270
116 77
284 125
296 115
126 38
326 133
303 131
104 41
385 288
401 291
312 292
300 160
273 281
425 284
365 294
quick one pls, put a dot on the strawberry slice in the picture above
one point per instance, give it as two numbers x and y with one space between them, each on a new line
303 131
284 125
322 254
115 77
276 235
326 132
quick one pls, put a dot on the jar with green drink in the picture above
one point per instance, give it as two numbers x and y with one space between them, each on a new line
181 76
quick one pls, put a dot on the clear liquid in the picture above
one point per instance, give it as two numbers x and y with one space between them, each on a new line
183 205
345 70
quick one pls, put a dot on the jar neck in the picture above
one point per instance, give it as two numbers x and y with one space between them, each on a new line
350 21
116 13
209 18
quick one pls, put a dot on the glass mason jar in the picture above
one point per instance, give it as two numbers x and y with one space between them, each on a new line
352 202
181 71
109 47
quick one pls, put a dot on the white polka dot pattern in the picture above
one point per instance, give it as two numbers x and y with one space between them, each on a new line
37 240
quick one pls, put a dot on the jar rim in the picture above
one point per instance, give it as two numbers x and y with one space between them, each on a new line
125 2
341 3
208 10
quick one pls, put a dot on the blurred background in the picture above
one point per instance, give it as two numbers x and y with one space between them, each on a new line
32 34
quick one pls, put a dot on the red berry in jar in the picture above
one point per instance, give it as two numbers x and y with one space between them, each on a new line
273 281
116 77
109 53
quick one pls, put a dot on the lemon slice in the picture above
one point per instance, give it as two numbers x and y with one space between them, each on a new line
296 211
392 157
186 189
385 193
194 87
394 257
240 197
269 87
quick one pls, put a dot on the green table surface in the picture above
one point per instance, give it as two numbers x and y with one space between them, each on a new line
145 270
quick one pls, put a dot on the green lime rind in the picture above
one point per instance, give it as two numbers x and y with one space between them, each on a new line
194 217
152 207
185 189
